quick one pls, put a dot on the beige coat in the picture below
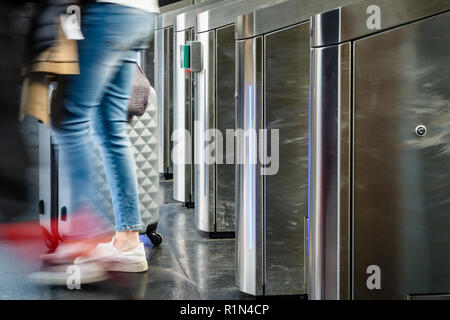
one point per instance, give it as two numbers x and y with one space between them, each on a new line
62 59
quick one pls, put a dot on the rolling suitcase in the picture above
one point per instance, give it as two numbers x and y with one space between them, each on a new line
54 192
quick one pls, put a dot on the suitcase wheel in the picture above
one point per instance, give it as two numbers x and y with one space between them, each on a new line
155 237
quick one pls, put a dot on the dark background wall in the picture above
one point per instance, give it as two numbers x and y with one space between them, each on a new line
166 2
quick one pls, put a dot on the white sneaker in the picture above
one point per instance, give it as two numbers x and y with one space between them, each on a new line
64 254
133 260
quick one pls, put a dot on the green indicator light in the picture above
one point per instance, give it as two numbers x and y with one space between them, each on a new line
185 57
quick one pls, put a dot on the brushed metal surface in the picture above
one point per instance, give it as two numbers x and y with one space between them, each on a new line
182 123
345 174
286 76
401 180
164 73
329 243
249 182
225 119
215 99
204 115
226 15
166 19
350 21
281 15
164 90
184 97
187 20
290 59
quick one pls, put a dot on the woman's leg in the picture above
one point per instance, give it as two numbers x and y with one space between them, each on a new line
110 128
99 63
103 88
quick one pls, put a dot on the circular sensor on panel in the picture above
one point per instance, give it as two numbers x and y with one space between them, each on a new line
421 131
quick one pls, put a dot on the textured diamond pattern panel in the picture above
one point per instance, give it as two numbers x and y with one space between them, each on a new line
143 133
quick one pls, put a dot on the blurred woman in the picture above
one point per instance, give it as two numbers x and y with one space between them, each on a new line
97 99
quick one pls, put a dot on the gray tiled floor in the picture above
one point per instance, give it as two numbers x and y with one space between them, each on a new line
187 265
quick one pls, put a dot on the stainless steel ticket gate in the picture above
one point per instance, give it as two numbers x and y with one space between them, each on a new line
164 86
183 97
214 108
273 58
380 142
164 63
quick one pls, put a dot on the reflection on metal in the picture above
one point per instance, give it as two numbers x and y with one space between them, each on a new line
281 15
227 14
182 153
249 189
164 85
214 108
250 151
352 19
380 173
164 77
322 197
273 62
183 95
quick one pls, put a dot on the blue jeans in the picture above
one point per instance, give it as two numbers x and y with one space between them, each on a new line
98 99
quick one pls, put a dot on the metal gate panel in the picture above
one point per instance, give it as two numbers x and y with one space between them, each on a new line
401 178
